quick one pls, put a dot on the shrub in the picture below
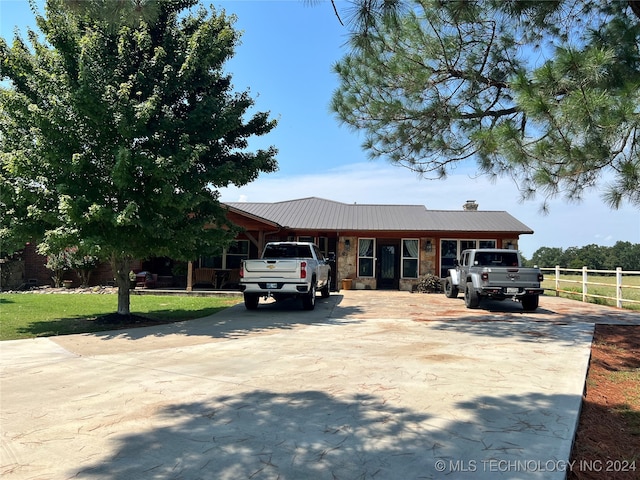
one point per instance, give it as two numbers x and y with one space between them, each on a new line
429 283
82 263
58 263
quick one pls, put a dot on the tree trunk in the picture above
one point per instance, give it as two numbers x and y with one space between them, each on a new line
121 267
85 276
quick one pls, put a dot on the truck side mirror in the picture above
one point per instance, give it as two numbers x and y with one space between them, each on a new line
456 262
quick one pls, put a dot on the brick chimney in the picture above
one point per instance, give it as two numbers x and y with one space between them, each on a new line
470 205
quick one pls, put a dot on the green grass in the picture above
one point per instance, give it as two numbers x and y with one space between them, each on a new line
608 290
632 375
632 397
33 315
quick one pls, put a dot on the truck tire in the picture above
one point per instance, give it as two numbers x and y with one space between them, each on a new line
530 303
471 297
309 300
251 301
326 290
450 290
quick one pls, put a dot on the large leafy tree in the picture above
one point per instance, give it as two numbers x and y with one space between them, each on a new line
547 92
117 125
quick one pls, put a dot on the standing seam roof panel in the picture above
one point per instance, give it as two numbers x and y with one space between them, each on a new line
319 214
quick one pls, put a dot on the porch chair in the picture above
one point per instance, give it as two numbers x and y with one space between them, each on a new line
204 275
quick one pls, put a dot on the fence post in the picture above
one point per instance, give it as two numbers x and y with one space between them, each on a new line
557 280
585 280
619 287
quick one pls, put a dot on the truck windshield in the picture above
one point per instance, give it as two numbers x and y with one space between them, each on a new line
287 251
498 259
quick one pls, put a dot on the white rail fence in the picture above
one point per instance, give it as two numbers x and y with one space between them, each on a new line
625 291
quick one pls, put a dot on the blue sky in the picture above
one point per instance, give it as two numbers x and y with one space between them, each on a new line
285 60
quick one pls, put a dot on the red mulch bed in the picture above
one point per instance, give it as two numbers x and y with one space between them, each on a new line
607 443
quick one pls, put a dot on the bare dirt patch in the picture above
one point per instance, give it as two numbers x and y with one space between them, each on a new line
607 443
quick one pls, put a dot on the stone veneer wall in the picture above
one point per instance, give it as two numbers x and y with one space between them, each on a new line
347 261
514 243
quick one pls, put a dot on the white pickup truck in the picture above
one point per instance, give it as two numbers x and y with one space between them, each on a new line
494 273
286 269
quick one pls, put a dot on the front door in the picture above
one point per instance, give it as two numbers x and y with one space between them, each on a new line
388 271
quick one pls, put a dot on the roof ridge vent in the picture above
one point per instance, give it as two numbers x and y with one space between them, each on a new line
470 205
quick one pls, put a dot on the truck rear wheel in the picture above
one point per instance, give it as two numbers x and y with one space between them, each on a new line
326 290
251 301
530 302
309 300
471 297
450 290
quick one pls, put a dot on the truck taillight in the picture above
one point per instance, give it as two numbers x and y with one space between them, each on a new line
540 277
242 271
303 269
484 276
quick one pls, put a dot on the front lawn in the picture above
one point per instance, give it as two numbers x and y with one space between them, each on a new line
44 315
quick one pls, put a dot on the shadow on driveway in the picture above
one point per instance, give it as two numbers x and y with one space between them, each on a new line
232 323
312 435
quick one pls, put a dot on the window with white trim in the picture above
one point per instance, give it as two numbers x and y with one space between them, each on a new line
366 257
450 249
486 244
410 257
467 244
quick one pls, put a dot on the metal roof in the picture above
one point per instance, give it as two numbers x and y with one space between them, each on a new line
319 214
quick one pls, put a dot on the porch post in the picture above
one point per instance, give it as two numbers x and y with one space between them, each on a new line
189 276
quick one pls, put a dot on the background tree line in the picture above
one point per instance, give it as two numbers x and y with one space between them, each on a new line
596 257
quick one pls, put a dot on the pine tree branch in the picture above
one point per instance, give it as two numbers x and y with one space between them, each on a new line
635 7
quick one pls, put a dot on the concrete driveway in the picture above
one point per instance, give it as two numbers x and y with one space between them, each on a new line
369 385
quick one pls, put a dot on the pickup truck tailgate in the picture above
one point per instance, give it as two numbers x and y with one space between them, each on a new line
513 277
271 268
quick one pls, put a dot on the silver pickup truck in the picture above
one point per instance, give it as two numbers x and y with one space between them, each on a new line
286 269
496 274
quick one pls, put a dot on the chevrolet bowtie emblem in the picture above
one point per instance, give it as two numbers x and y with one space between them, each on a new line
271 267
